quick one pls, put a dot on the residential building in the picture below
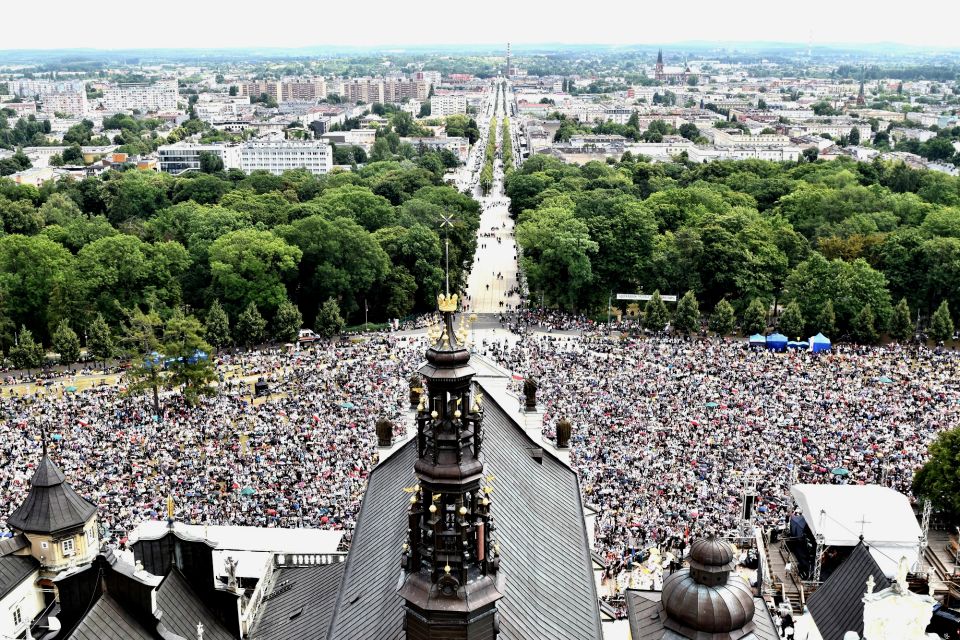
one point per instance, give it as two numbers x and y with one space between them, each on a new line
447 104
358 137
30 88
142 96
315 156
271 88
21 109
185 156
369 90
72 103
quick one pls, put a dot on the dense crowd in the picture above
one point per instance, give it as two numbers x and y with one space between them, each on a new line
665 430
299 457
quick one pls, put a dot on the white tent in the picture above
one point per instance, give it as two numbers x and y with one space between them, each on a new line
884 516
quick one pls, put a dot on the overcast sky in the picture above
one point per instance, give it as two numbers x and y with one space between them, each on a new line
112 24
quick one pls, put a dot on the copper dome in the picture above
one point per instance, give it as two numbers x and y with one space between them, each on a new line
704 602
711 556
694 610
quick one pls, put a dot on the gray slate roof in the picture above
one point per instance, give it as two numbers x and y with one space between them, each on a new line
302 604
837 606
546 562
14 544
182 609
646 617
107 620
52 505
14 570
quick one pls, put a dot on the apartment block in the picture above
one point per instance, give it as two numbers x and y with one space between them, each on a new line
141 96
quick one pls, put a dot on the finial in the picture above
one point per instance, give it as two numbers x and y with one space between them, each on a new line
170 510
43 438
447 303
902 570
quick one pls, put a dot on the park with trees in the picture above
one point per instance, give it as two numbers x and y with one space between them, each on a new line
856 250
241 258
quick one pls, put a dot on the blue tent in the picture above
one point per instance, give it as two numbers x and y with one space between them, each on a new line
757 340
794 344
819 342
777 341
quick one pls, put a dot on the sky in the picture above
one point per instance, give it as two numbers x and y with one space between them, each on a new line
116 24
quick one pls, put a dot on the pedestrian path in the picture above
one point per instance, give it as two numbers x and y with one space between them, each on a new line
492 285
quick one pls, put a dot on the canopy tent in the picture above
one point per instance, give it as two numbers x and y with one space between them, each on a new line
794 344
819 342
757 340
889 526
777 341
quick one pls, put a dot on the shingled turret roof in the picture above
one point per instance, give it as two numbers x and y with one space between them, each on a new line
52 505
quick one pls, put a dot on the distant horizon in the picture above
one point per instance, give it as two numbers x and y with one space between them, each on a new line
441 47
384 24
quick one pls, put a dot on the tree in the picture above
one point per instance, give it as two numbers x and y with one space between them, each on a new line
755 318
251 266
791 321
27 353
655 314
142 343
72 155
901 326
854 138
100 340
687 317
210 162
288 322
251 328
939 478
66 343
188 358
941 324
722 320
329 323
689 131
863 328
217 326
827 319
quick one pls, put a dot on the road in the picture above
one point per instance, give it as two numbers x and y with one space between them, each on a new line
491 287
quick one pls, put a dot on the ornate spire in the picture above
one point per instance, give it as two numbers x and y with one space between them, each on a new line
450 559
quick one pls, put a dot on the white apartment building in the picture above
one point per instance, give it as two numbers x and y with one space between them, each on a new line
701 154
315 156
30 88
185 156
144 97
73 103
447 104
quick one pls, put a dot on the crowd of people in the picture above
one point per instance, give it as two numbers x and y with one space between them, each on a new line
667 431
299 457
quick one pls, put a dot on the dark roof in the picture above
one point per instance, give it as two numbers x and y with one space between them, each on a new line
107 620
51 506
546 561
300 604
646 616
837 606
14 570
14 544
182 609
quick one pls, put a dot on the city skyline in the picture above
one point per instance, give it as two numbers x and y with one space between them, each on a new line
928 25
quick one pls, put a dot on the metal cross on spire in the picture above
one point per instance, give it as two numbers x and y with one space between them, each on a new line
445 224
863 522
